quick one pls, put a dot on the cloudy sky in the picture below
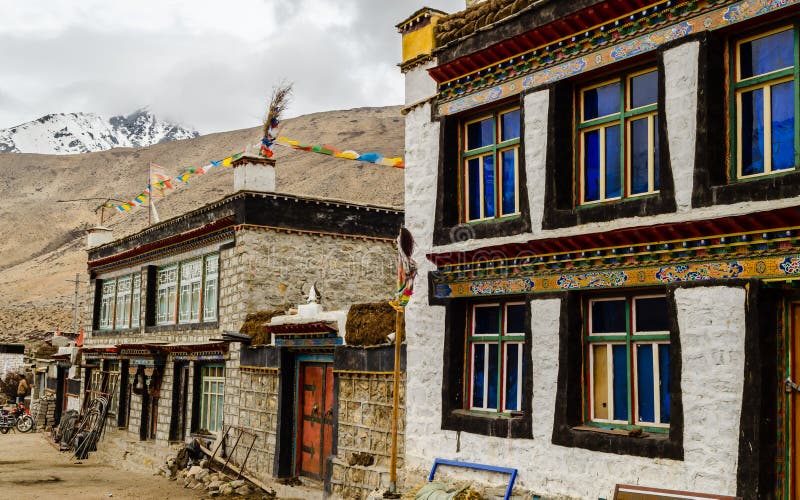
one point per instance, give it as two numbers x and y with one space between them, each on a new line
206 63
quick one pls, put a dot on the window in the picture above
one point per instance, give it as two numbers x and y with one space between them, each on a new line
120 302
188 290
490 165
764 92
628 352
495 345
618 138
212 395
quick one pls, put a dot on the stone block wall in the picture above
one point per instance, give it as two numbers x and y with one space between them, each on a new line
165 404
364 432
10 363
257 413
135 418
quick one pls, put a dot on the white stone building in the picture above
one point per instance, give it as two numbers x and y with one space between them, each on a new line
607 223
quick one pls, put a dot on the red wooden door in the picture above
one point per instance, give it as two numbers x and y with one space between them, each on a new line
315 418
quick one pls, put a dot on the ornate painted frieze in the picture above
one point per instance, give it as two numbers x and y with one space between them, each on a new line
596 48
771 255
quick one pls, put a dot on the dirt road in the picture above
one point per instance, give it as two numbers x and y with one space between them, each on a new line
31 468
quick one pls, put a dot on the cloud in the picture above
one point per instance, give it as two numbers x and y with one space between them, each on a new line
210 65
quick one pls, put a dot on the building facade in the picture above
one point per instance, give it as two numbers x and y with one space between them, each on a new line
168 303
604 194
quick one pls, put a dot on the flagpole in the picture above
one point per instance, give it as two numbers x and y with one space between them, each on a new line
150 195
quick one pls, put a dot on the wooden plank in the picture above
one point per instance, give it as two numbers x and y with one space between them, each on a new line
631 492
794 401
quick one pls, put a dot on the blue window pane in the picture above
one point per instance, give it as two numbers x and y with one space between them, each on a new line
608 316
488 186
601 101
509 125
613 178
644 89
753 132
663 388
474 188
478 375
487 320
620 382
651 315
783 146
644 374
640 156
515 319
493 377
656 176
767 54
512 376
480 134
591 166
508 162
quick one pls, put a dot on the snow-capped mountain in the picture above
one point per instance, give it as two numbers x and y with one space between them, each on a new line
72 133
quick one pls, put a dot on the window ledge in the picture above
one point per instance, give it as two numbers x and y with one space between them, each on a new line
211 325
508 426
620 441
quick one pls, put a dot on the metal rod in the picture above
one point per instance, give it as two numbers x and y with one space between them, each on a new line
398 335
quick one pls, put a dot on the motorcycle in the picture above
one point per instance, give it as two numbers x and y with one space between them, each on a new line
17 417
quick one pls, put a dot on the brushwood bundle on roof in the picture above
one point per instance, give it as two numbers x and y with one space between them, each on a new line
255 326
467 22
369 324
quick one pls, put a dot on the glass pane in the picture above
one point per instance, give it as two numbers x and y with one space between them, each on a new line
613 183
619 352
591 166
752 132
493 376
656 176
644 380
195 315
663 374
639 156
515 319
601 101
509 194
644 89
600 381
478 375
509 125
210 300
474 189
512 376
488 186
783 147
480 134
608 316
767 54
651 314
487 320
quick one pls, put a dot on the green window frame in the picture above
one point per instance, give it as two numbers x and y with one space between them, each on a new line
616 138
490 163
627 362
759 132
212 397
495 361
187 291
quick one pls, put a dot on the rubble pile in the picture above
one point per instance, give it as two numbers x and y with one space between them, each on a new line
217 484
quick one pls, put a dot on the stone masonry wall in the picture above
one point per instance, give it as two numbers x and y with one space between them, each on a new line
10 363
364 429
257 413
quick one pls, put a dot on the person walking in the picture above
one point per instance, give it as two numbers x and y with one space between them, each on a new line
22 389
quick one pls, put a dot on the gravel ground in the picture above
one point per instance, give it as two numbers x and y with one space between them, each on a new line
31 468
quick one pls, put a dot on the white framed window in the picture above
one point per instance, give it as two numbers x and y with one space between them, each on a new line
122 310
108 294
210 287
495 345
136 300
166 295
212 397
191 283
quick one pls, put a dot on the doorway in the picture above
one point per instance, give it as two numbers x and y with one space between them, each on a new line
793 397
314 438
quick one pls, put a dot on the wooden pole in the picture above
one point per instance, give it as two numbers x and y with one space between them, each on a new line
398 336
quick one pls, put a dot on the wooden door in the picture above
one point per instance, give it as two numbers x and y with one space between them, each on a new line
315 418
794 402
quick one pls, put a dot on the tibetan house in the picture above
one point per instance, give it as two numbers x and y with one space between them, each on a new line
169 303
605 198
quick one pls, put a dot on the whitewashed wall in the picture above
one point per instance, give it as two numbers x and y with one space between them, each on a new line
711 331
10 363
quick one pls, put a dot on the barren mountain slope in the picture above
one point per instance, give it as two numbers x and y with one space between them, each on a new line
42 240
